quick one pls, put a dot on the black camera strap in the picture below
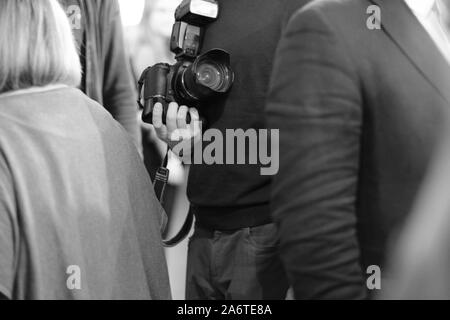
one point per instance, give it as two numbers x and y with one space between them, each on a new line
161 179
160 184
182 234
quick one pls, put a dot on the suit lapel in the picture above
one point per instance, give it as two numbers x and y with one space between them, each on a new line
414 41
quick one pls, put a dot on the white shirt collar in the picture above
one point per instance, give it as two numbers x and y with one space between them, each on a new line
421 8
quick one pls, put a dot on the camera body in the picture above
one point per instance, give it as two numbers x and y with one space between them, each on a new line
195 77
159 88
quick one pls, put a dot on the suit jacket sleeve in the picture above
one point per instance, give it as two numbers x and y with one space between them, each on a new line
119 95
315 102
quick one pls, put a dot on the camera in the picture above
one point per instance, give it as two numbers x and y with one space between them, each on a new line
187 83
195 77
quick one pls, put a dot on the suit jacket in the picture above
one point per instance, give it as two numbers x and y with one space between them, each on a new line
420 259
360 113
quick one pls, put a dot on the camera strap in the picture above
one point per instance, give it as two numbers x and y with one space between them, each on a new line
182 234
161 179
160 184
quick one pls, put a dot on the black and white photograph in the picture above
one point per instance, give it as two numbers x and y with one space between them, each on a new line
232 157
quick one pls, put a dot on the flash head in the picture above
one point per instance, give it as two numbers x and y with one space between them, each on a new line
185 40
197 12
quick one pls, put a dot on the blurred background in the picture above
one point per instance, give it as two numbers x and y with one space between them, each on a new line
147 29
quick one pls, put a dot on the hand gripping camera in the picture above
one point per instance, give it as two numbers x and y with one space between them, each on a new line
195 77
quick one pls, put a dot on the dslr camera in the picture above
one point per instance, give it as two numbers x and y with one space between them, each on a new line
195 77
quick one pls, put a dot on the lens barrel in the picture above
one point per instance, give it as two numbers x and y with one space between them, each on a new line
208 77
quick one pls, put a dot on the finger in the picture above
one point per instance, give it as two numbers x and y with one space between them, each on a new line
157 115
160 128
171 120
195 125
181 118
195 116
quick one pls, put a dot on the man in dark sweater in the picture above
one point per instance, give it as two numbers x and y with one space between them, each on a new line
233 253
97 28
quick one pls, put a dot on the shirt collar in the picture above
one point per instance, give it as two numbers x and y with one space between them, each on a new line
421 8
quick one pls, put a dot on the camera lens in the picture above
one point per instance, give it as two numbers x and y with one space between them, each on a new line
212 75
209 76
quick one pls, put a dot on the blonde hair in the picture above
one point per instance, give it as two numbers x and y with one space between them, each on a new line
37 47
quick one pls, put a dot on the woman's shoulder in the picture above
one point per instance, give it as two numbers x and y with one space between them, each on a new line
54 107
35 93
18 104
